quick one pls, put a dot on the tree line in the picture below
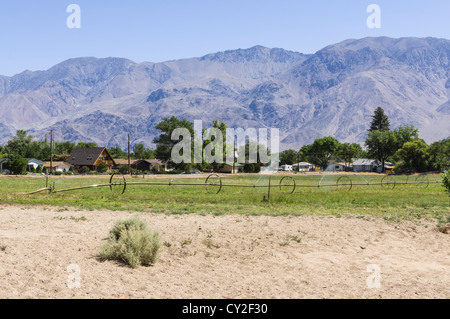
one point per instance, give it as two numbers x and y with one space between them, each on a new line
402 146
23 146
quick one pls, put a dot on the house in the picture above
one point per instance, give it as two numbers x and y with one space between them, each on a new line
57 166
121 161
91 158
149 164
303 167
2 161
335 167
33 164
286 168
365 165
228 168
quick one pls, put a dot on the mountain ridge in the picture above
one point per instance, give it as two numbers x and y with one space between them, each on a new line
331 92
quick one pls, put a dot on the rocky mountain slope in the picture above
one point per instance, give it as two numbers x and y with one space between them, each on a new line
332 92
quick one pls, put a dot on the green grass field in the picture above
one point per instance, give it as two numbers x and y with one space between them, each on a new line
404 201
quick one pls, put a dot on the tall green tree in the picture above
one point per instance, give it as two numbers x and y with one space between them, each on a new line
117 152
381 145
215 151
349 151
164 142
380 121
139 151
20 144
288 157
439 155
64 148
413 157
321 151
86 145
16 163
405 134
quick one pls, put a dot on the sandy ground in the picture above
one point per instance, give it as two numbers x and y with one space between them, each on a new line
41 250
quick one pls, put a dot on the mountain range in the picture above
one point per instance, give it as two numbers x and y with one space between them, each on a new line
332 92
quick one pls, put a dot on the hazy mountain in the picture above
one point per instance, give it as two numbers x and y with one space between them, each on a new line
332 92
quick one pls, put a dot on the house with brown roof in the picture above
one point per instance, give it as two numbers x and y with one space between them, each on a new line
90 158
149 164
57 166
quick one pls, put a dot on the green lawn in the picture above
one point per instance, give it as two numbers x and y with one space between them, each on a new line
410 201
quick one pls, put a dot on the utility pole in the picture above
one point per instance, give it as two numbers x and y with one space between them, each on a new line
129 160
234 155
51 151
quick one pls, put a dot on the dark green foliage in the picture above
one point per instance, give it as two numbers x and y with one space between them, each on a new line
446 181
321 151
381 145
16 164
102 168
288 157
380 121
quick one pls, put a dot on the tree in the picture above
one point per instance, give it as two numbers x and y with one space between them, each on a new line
117 152
20 144
215 151
139 151
321 151
349 151
164 142
288 157
380 121
64 148
86 145
102 168
439 155
413 157
381 145
17 163
252 148
446 181
405 134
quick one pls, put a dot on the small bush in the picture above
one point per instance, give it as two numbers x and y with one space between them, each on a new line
102 168
132 242
446 181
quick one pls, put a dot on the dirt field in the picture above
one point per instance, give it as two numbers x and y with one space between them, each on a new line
231 256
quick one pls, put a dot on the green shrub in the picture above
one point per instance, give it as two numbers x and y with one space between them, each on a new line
249 168
102 168
446 181
132 242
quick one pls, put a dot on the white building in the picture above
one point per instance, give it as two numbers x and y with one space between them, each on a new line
303 167
34 164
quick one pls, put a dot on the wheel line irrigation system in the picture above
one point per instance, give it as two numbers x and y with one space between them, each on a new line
214 185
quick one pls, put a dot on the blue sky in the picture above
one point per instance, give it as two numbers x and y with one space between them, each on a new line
34 34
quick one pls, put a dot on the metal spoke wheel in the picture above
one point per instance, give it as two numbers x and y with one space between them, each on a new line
213 184
388 182
422 181
117 184
344 183
287 185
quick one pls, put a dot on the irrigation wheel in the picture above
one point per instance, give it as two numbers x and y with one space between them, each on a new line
388 182
422 181
213 184
343 182
117 184
287 185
